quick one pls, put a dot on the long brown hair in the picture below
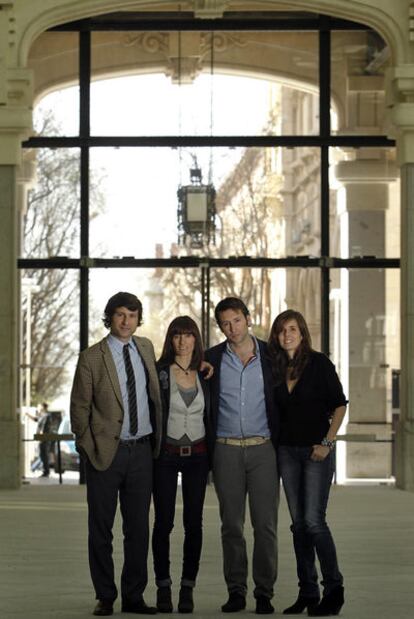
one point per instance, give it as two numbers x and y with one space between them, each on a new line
279 359
182 324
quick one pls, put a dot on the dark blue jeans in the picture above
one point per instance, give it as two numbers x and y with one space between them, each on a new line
307 484
194 473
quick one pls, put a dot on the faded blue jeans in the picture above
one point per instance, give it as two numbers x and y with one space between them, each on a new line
307 484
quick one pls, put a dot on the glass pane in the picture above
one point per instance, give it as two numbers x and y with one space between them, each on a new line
54 59
365 203
359 61
164 294
51 221
267 292
49 327
365 347
267 202
177 86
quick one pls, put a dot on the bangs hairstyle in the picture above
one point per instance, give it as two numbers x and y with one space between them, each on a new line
122 299
182 325
279 358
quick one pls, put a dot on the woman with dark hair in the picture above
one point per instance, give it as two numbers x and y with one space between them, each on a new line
185 400
312 405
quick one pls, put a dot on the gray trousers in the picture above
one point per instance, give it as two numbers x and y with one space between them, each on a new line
239 472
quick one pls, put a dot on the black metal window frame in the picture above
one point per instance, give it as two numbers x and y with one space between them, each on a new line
322 24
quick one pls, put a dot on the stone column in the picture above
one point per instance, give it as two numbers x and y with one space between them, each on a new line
405 430
9 421
366 202
15 125
400 91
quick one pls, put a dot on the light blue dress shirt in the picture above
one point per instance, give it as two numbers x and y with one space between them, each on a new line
144 424
242 406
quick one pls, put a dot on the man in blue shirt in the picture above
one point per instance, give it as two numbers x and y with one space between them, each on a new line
246 427
116 419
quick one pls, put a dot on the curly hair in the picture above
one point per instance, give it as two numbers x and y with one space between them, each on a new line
181 325
122 299
281 364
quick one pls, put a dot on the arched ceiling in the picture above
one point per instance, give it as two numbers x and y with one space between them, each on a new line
389 19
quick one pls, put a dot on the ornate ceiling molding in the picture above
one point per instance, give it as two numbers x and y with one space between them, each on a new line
210 9
185 55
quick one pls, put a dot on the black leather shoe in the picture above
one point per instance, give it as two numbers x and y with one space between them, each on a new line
301 603
164 600
139 608
185 601
236 602
104 608
263 605
330 604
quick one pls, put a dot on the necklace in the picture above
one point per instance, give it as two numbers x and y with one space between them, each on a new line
185 370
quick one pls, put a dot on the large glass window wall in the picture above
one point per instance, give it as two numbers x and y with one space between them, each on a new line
200 78
306 187
267 201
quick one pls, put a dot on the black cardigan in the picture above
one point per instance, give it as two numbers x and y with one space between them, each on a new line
306 411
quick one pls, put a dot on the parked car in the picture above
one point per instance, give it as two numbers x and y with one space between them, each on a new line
68 454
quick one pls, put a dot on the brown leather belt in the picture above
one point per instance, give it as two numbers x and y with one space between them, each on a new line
186 450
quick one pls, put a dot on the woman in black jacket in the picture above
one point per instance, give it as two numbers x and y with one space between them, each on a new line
185 399
311 405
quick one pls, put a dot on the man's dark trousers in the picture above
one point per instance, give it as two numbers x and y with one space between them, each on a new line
129 476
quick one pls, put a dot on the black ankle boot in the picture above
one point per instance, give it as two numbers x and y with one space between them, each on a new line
185 600
164 600
330 604
301 603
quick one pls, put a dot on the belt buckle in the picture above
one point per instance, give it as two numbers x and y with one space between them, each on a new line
185 450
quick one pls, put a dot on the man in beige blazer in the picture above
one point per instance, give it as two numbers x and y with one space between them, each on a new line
116 419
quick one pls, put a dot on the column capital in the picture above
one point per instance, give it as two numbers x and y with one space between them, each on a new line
209 9
15 126
366 171
399 84
16 91
400 104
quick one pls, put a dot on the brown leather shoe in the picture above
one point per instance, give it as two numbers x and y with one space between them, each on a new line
104 608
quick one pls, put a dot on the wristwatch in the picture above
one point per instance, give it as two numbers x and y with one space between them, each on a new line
327 443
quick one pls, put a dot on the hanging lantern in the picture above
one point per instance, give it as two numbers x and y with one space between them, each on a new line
196 211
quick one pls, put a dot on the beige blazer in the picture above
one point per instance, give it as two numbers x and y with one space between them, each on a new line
96 408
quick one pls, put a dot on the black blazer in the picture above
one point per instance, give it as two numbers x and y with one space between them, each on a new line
164 379
214 356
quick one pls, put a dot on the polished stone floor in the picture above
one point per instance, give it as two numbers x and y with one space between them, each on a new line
44 571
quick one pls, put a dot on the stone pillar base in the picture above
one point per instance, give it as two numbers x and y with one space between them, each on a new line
405 455
10 443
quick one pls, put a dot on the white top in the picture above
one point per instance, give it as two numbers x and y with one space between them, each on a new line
184 419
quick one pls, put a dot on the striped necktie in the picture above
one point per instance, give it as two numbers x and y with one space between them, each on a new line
132 393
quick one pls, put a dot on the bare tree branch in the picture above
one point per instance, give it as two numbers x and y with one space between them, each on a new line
51 227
